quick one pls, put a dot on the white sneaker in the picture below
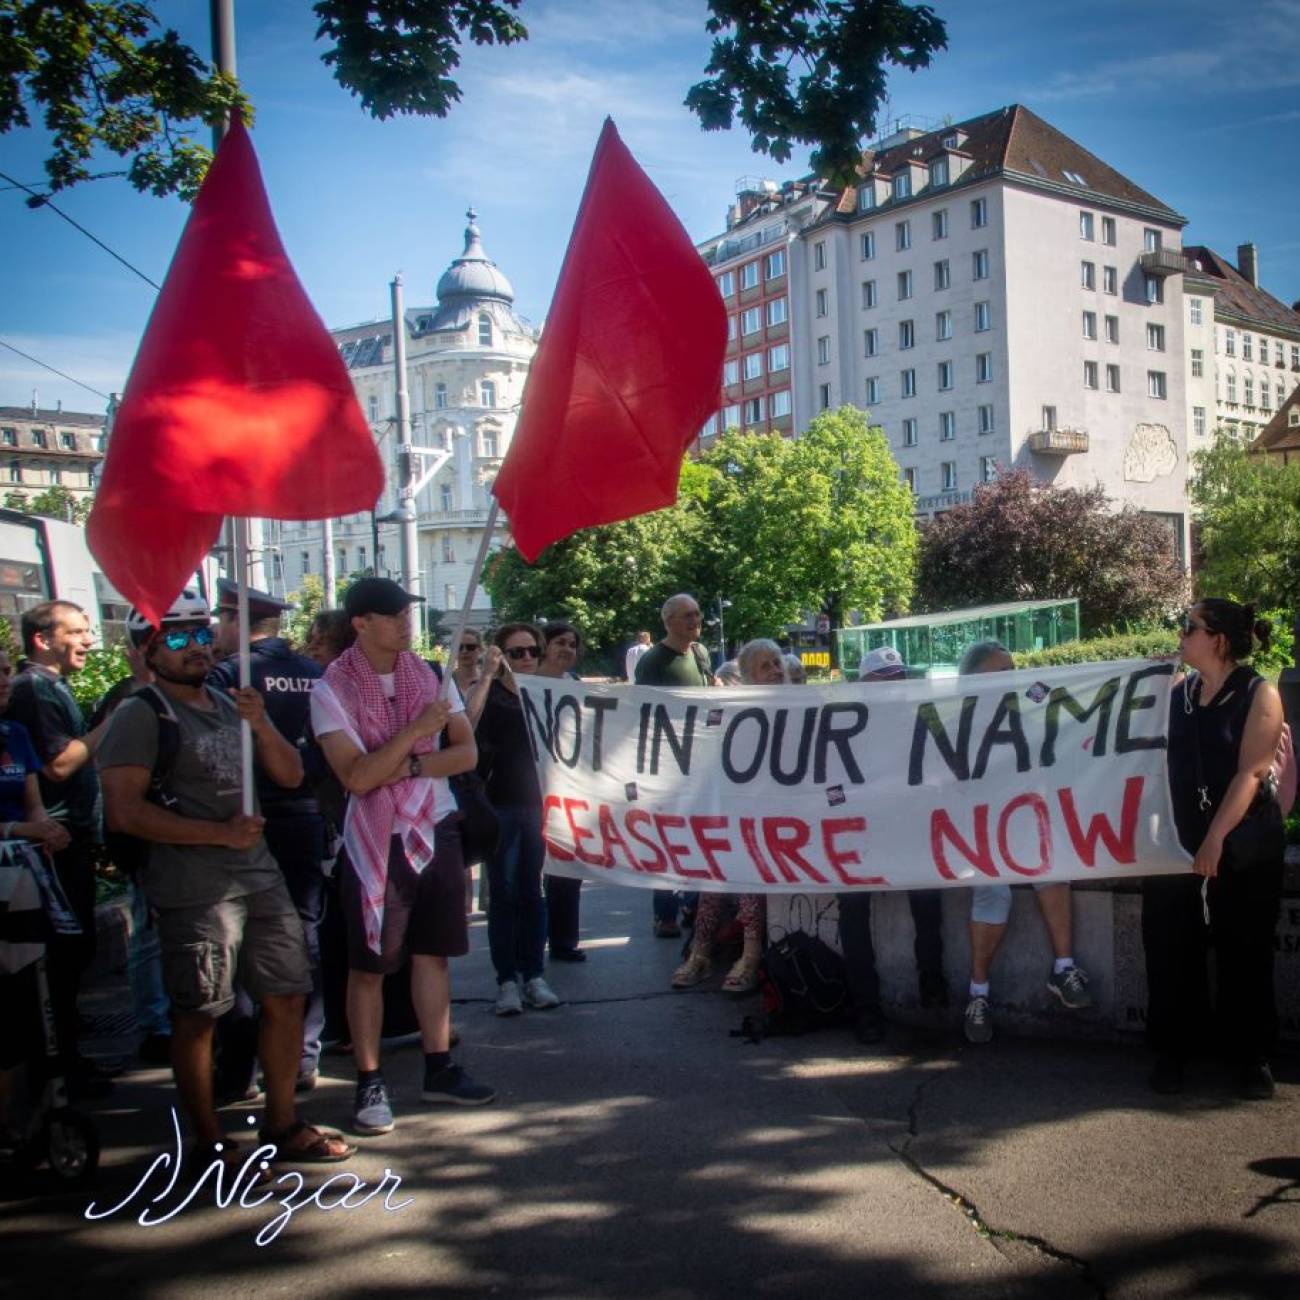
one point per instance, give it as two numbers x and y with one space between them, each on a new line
539 995
508 1003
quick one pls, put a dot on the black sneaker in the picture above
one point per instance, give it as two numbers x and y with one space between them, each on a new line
568 954
453 1086
1167 1076
1256 1082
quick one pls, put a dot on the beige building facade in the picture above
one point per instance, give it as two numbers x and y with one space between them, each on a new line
42 449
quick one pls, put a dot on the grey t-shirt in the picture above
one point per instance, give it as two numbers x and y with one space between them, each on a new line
205 782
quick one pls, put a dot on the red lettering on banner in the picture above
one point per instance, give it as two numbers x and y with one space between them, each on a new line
1039 806
711 845
784 837
611 837
1121 847
841 858
750 841
558 853
980 857
581 833
637 817
665 822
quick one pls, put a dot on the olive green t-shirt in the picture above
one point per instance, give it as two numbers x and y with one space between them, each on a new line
661 665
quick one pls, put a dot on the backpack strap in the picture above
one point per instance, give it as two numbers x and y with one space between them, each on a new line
169 742
702 662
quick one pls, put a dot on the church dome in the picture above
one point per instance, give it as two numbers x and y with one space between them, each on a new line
473 275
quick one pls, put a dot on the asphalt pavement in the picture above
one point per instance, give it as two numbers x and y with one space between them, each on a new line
638 1149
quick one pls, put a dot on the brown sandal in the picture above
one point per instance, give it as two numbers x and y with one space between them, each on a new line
303 1143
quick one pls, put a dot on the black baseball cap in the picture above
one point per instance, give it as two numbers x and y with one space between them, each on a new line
376 596
261 604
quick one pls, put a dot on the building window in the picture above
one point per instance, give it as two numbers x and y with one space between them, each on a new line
983 317
1156 383
753 410
907 383
1110 280
945 376
979 213
824 350
731 328
15 472
1108 231
1295 356
1112 329
487 393
1088 275
985 419
942 326
909 432
1248 390
868 294
873 391
484 329
988 469
902 184
1198 421
904 285
870 342
984 367
39 439
941 274
440 397
906 334
10 437
1264 403
749 275
727 283
731 372
1247 354
866 197
1112 379
939 224
909 477
778 358
449 600
822 302
824 397
947 425
1194 311
867 245
1154 288
56 474
902 236
448 550
780 403
980 264
751 320
754 365
1090 374
710 426
1156 338
372 408
1090 324
305 558
731 417
1231 387
776 312
776 264
948 471
489 439
1049 418
68 441
1229 341
819 255
1085 225
1150 240
939 172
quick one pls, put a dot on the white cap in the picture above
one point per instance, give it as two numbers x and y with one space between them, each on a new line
884 663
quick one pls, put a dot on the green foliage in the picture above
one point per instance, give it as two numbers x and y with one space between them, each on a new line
1021 539
838 52
105 77
53 503
307 602
1130 645
1270 662
104 668
1249 512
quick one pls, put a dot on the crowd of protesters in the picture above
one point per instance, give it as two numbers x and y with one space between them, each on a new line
258 938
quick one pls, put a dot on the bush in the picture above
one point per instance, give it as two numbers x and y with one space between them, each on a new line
104 668
1130 645
1270 662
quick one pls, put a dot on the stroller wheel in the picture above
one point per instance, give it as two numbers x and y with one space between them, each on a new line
71 1145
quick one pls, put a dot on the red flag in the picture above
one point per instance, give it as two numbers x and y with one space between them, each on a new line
238 402
628 369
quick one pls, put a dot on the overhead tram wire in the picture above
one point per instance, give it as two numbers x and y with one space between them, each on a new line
46 366
44 202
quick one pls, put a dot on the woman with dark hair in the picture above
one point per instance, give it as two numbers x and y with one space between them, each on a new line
516 908
1225 722
563 895
331 633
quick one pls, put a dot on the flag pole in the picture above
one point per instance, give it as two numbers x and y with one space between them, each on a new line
245 662
475 573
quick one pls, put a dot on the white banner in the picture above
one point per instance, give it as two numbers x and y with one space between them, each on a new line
1042 774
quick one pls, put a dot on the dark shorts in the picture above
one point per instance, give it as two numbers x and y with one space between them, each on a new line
256 940
424 912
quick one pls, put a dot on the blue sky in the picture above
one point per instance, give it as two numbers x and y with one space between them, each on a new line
1197 102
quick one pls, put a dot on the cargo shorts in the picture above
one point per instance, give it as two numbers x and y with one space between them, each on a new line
255 941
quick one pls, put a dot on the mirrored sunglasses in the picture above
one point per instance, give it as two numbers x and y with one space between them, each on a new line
180 638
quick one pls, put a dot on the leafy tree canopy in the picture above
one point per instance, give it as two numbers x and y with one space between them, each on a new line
54 503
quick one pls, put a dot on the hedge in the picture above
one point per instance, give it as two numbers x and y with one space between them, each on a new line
1129 645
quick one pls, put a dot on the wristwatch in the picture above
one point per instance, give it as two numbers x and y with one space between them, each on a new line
413 766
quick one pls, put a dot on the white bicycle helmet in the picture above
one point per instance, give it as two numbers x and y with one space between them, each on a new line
188 607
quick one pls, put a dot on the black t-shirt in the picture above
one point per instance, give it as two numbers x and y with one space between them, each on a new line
505 759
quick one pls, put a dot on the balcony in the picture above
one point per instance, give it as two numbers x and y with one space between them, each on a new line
941 501
1058 442
1163 261
453 518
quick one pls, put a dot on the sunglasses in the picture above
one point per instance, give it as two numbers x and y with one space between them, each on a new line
180 639
468 649
523 652
1187 626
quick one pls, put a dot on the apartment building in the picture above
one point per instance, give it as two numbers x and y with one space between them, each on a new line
45 449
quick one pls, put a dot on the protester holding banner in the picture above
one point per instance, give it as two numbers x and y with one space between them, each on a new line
1224 728
991 907
516 907
563 645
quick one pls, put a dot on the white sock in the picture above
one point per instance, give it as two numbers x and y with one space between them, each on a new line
1062 963
979 990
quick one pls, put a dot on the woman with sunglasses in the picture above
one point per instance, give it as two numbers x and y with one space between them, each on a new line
465 670
516 908
1225 723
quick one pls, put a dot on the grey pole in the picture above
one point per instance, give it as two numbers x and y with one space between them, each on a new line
329 577
405 461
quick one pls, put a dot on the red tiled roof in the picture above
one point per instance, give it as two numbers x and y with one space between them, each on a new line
1279 434
1234 294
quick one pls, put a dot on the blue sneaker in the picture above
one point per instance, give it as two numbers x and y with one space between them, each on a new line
372 1112
453 1086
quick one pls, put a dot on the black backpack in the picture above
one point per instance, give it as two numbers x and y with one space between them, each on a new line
803 986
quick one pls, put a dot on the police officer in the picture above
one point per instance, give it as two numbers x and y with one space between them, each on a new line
295 830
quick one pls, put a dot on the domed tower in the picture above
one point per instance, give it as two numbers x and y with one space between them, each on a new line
472 288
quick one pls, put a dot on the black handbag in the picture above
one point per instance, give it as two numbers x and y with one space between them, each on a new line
479 827
1259 838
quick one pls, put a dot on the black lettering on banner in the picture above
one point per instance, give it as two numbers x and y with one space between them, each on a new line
680 745
1013 734
1060 698
738 775
599 705
1135 703
929 725
828 735
569 702
797 773
541 732
643 730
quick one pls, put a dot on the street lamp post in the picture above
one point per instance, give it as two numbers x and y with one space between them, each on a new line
722 627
